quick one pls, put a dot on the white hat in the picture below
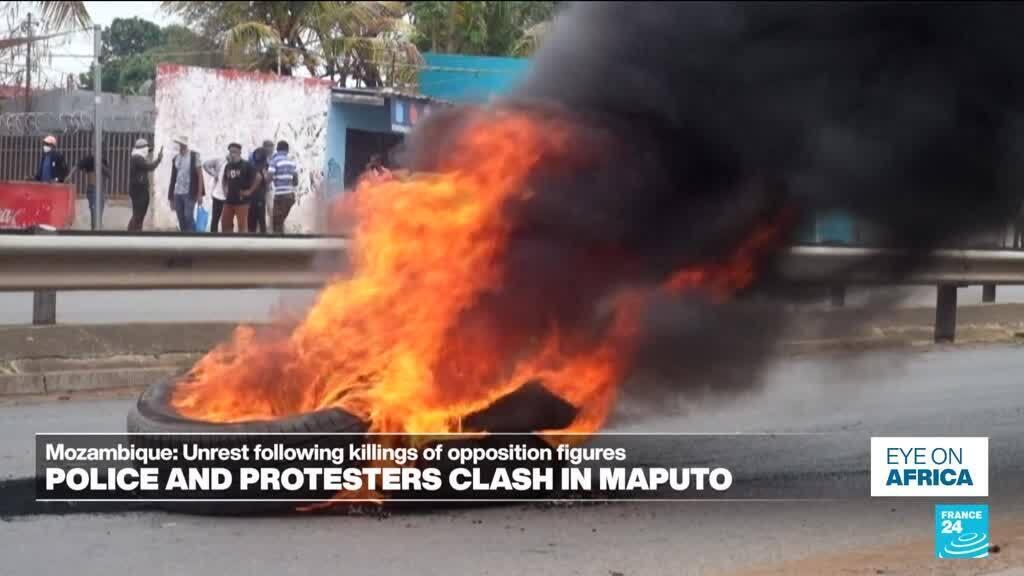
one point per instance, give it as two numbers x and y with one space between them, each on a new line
141 143
50 139
183 140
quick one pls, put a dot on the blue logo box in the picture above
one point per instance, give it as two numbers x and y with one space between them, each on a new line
961 531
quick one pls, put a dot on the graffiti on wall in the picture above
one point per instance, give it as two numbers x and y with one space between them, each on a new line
213 108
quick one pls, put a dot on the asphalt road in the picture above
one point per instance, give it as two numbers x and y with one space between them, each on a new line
964 391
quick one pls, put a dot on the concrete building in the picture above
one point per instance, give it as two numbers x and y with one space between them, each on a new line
362 123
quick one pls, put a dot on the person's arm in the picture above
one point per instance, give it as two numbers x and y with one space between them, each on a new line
174 180
210 167
60 168
197 173
255 179
150 166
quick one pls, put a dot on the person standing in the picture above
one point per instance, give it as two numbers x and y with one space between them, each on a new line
186 185
215 168
52 166
375 170
239 183
258 204
139 170
268 149
87 166
284 176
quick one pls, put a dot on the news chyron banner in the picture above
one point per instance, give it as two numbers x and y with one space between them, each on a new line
396 468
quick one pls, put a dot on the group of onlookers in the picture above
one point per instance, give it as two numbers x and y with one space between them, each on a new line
243 188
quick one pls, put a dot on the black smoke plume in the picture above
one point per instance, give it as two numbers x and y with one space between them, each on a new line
710 117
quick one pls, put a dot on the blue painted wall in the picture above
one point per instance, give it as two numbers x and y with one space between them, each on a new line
464 78
340 118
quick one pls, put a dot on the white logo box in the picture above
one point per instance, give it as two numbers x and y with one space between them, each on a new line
929 453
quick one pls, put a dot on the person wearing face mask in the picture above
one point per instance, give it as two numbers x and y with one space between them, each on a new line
138 182
187 185
52 166
240 181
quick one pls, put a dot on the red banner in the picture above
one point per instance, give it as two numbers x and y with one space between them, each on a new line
26 204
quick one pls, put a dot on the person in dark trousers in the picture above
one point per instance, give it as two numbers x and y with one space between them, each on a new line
138 182
284 177
87 166
239 183
215 168
258 204
52 166
186 185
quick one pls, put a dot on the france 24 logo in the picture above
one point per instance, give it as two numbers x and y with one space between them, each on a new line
961 531
929 466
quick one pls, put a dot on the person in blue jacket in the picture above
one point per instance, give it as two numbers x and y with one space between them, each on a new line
52 166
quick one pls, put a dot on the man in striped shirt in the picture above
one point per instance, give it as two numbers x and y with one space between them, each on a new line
284 175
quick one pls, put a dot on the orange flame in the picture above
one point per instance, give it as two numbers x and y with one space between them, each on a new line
426 248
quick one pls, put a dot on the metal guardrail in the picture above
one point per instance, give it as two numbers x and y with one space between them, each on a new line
814 264
46 263
149 261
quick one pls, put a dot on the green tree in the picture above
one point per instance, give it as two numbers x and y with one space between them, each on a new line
482 28
134 47
361 41
127 37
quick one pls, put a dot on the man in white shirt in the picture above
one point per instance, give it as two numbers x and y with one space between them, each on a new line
215 167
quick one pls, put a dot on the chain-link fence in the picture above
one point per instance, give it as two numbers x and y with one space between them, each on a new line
21 146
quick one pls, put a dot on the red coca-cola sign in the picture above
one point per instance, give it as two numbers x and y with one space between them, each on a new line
27 204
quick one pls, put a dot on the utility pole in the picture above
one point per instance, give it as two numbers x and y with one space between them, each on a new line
97 77
28 66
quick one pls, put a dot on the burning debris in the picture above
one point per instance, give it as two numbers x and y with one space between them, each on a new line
459 296
637 184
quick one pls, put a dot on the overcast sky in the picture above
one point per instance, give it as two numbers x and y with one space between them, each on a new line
102 13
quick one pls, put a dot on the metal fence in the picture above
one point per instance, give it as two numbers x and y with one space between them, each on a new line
19 155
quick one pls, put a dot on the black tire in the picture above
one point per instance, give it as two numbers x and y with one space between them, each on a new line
154 416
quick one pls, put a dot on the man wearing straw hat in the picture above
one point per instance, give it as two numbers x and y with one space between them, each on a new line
186 185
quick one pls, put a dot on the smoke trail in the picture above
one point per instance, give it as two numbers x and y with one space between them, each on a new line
697 120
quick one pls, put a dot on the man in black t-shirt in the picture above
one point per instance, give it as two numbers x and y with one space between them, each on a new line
87 166
240 181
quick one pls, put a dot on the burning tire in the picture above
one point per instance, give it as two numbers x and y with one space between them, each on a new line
154 416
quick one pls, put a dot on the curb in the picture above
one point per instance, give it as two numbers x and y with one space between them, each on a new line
83 380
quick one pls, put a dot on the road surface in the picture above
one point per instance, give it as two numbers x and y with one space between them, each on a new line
964 391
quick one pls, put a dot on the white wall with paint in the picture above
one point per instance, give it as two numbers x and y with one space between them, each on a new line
216 107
